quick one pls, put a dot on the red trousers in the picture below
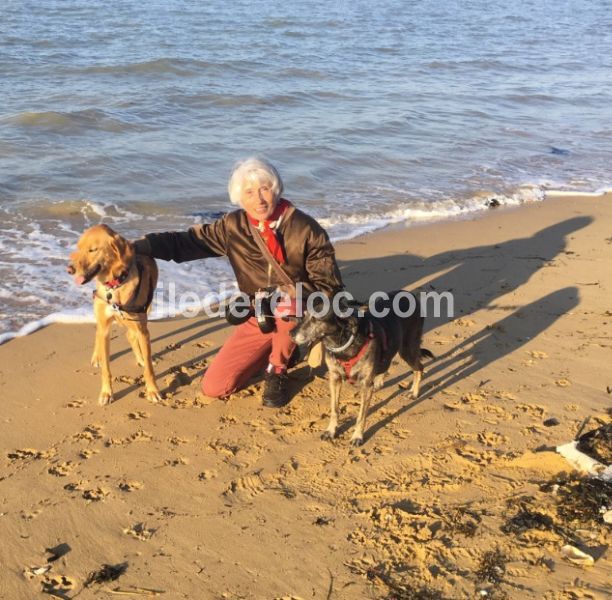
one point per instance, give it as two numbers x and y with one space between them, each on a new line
245 353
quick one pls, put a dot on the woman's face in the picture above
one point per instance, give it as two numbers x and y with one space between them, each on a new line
257 198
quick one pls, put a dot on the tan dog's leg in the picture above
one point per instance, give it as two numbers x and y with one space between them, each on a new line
144 342
366 395
135 344
416 384
101 354
335 386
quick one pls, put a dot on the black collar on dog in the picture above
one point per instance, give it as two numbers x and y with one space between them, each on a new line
130 307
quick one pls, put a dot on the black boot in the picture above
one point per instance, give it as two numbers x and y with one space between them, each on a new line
275 393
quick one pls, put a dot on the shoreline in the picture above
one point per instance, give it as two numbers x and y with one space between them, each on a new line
58 318
205 498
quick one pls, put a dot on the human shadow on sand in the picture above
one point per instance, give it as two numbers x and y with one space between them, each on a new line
502 268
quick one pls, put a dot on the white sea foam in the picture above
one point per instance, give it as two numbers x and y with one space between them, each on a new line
343 227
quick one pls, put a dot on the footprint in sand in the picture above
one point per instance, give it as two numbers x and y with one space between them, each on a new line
138 436
85 454
61 469
138 415
207 475
176 462
130 380
191 402
140 532
491 438
90 494
531 409
480 458
58 585
563 382
537 354
95 494
130 486
246 487
79 403
228 450
29 516
177 379
465 322
177 441
90 433
24 454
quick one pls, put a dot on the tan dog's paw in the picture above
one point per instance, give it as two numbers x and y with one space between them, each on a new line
95 361
154 396
105 398
328 436
357 440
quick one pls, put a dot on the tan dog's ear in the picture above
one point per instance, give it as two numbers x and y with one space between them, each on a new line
124 254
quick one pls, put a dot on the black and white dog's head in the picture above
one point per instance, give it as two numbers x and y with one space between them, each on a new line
320 324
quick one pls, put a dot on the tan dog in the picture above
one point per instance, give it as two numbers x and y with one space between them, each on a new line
125 283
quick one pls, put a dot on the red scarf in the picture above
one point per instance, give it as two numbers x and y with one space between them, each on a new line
268 233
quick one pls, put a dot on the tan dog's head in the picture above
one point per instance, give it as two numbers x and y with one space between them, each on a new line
101 253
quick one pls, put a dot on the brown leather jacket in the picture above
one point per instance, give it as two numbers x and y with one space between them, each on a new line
310 255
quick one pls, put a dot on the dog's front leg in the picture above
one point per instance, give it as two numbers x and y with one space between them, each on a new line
416 384
144 341
366 395
335 385
101 355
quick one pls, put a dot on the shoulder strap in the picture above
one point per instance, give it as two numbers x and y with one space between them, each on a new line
268 255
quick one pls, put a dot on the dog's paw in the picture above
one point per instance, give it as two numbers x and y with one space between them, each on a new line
154 396
95 361
328 436
356 441
105 398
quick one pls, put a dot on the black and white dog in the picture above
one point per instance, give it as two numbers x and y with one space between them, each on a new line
359 348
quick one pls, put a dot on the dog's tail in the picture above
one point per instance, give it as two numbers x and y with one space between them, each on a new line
427 353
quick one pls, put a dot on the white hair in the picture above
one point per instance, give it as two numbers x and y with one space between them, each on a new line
253 167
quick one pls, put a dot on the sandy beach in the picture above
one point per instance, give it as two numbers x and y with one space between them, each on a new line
200 498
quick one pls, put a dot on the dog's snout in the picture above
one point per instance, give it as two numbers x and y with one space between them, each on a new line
70 269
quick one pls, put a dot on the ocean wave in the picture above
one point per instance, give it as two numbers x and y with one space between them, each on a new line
344 227
89 211
160 66
71 123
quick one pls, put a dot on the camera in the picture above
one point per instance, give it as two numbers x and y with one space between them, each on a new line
263 310
241 309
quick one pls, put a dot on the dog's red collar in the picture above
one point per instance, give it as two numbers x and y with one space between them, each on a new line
117 282
348 364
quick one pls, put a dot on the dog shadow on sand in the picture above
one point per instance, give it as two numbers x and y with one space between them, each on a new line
482 349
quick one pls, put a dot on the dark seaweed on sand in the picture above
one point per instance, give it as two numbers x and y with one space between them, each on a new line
582 499
492 567
106 573
527 519
597 443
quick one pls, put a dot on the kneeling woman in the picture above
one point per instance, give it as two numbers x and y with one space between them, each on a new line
269 244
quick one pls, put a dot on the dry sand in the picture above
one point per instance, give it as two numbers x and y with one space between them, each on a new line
202 498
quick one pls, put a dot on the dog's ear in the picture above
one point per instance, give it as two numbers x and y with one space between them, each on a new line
123 255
